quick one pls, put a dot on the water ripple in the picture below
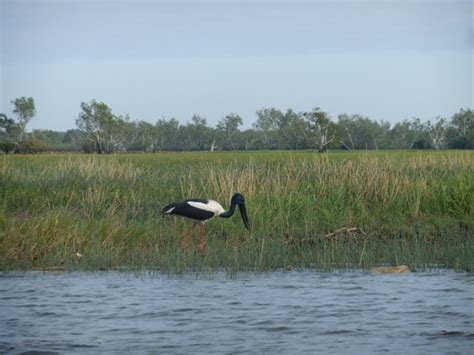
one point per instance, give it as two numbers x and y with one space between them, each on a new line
280 312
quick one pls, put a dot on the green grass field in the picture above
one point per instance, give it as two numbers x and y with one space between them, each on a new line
414 208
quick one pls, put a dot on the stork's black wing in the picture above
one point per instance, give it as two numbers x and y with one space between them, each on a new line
186 210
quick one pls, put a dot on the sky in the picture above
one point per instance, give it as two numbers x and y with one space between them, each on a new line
388 60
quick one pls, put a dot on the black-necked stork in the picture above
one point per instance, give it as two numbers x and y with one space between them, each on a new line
201 211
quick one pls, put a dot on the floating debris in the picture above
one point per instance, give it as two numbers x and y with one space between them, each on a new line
346 231
50 269
400 269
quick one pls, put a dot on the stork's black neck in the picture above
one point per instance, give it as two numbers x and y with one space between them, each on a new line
230 212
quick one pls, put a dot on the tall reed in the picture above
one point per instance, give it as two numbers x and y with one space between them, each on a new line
310 210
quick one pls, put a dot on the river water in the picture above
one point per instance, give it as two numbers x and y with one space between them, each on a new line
279 312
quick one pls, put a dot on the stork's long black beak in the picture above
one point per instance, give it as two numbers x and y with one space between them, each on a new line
243 213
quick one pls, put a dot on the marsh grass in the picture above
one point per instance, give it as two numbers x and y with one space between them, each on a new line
92 212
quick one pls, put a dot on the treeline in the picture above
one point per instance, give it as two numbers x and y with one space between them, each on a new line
100 131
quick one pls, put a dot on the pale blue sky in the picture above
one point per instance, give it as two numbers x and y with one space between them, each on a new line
389 60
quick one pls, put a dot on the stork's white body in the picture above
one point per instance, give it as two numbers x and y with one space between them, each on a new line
211 206
201 211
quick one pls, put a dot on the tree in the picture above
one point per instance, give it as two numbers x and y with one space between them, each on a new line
419 132
117 133
437 132
292 130
228 129
25 110
250 138
347 130
198 134
463 125
168 134
267 126
9 130
321 127
401 136
95 121
143 136
359 132
52 140
74 139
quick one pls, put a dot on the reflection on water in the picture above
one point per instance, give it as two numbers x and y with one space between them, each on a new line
284 312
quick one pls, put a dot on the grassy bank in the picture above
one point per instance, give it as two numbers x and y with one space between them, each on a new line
102 212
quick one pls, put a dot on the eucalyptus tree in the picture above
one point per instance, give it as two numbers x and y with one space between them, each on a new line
96 120
9 130
228 131
117 134
24 108
250 140
198 134
51 139
437 132
420 132
293 130
462 124
401 136
360 132
323 130
74 138
143 136
168 131
267 126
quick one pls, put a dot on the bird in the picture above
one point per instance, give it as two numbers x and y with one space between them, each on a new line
203 210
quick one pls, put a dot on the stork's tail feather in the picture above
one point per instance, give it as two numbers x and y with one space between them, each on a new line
169 208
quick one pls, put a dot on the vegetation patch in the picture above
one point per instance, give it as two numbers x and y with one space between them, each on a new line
308 210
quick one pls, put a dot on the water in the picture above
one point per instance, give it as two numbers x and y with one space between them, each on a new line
280 312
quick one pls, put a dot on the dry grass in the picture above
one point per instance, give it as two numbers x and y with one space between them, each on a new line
415 208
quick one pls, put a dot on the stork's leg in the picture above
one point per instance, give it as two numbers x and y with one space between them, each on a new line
187 236
202 241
